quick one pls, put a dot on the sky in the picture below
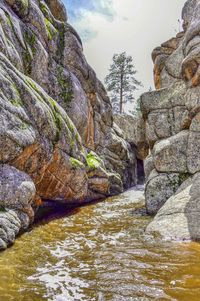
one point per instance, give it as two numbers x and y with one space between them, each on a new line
135 26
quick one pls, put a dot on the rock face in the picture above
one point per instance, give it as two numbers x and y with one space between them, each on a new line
179 218
172 122
57 135
133 130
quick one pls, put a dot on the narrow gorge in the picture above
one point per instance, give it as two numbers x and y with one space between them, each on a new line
60 140
96 205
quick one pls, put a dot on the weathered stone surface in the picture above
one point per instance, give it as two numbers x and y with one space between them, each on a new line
179 218
193 152
17 195
159 188
57 9
170 155
148 166
166 98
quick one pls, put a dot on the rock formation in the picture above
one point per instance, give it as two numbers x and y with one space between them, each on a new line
172 122
57 136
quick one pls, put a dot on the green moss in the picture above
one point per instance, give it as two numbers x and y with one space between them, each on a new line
31 83
76 163
9 21
16 102
61 42
57 118
72 144
30 51
25 5
44 9
66 92
93 161
70 125
2 208
54 108
48 28
27 59
30 39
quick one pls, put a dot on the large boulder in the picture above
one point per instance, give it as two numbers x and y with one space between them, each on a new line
17 195
170 155
159 188
179 218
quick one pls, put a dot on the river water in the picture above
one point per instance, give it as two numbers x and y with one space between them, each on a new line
99 253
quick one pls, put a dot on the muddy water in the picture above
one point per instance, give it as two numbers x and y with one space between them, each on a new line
100 253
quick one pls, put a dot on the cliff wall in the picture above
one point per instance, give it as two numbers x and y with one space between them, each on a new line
57 136
172 126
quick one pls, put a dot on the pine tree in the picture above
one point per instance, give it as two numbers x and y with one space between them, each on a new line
121 81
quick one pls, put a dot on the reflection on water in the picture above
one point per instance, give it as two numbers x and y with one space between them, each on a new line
99 253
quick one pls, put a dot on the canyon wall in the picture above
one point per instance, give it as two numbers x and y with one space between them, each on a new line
172 125
57 136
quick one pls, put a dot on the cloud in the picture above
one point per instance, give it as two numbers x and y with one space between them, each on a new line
80 11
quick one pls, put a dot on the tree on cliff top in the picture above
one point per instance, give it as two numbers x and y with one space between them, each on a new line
121 81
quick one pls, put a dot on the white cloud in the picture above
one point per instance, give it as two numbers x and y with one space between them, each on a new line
80 11
140 26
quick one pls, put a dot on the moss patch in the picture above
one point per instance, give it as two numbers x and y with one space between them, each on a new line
93 161
66 91
48 101
30 39
44 9
2 208
61 42
49 28
16 102
76 163
30 51
24 6
31 83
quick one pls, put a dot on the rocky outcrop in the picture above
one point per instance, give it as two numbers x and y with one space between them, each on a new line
172 123
57 136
